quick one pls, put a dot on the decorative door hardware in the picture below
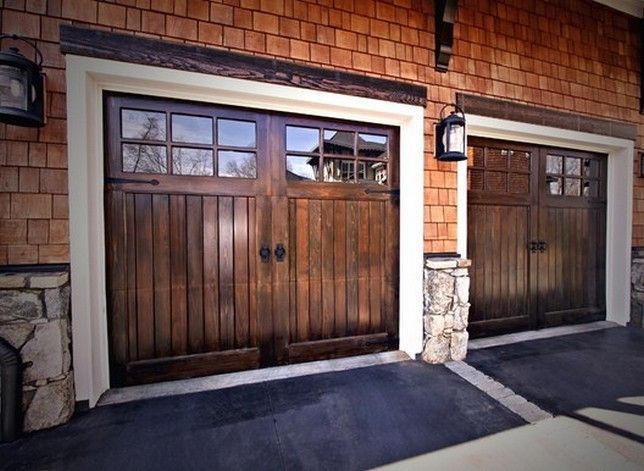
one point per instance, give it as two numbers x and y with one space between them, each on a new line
392 191
280 252
542 246
265 253
533 246
153 181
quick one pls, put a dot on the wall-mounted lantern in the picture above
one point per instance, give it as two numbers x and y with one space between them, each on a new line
450 136
22 87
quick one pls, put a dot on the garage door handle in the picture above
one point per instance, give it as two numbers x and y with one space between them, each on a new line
533 246
280 252
265 253
542 246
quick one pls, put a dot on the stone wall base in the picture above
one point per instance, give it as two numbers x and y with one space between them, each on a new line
35 319
637 287
446 309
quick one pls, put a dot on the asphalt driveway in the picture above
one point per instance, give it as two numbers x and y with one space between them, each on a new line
353 419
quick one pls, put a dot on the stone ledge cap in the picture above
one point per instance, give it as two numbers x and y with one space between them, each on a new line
36 280
445 263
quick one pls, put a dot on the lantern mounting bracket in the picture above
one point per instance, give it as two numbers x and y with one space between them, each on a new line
444 32
15 37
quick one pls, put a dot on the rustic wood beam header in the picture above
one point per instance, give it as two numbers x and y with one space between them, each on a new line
127 48
444 31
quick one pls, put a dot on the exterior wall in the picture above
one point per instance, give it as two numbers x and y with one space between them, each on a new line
637 288
580 57
34 319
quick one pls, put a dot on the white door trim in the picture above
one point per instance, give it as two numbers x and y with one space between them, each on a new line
87 78
619 215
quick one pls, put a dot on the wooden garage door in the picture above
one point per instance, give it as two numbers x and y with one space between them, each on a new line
234 241
536 236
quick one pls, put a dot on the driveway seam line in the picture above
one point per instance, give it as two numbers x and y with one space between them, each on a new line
275 430
505 396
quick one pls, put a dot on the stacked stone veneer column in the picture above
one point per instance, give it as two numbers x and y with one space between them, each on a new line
446 308
35 319
637 287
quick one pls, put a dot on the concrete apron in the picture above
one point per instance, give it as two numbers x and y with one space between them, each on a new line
228 380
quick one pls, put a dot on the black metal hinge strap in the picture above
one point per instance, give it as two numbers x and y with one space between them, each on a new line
152 181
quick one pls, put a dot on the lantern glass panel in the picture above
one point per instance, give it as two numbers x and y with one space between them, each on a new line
453 139
13 87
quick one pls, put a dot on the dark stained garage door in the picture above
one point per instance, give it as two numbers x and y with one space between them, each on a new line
237 239
536 236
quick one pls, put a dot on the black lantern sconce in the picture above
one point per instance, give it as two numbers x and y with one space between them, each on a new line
22 87
450 136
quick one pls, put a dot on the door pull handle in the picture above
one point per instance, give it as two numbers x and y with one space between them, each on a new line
542 246
265 254
280 252
533 246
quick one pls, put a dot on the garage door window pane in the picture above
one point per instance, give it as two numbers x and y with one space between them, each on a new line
519 183
475 180
591 189
191 129
338 170
372 172
572 187
497 158
475 156
372 145
520 161
140 158
236 133
554 164
301 168
146 125
191 161
236 164
299 139
573 166
496 181
339 142
591 168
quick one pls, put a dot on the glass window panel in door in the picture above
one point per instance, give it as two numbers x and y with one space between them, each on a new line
338 170
497 158
300 139
496 181
573 166
186 161
591 168
372 172
372 145
554 164
572 187
591 188
301 168
519 183
145 125
235 133
236 164
475 156
519 161
191 129
339 142
475 180
142 158
554 185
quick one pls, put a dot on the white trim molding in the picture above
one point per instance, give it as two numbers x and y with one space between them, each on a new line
619 216
88 78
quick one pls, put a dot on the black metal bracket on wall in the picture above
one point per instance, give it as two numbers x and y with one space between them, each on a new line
444 32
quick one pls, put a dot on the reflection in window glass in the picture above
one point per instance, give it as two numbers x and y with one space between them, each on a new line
554 185
573 187
573 166
496 181
475 156
372 172
191 129
591 189
148 125
591 167
301 139
302 168
497 158
554 164
338 142
236 164
236 133
338 170
372 145
475 180
519 183
520 161
140 158
191 161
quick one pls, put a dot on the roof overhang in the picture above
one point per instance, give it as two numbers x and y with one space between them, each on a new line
632 7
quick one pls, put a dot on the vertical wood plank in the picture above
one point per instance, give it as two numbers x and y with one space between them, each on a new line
144 275
194 233
292 273
162 302
315 269
252 273
327 255
226 274
363 267
242 321
130 228
352 267
340 266
302 269
211 273
375 265
178 262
